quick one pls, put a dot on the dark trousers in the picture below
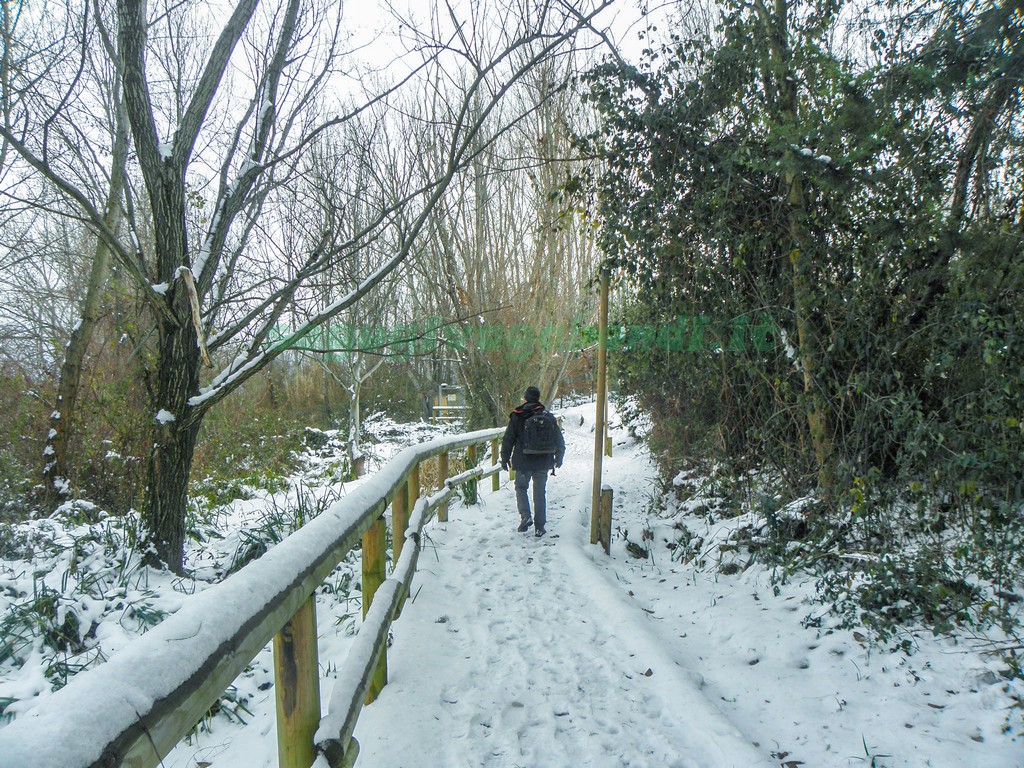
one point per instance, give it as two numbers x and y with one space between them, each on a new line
539 477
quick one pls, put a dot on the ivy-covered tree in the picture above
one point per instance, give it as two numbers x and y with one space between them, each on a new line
818 208
221 108
834 193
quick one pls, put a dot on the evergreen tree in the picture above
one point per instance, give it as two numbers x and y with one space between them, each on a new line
820 204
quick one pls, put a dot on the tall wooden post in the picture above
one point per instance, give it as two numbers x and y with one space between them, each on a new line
442 472
297 685
399 521
374 573
602 398
495 478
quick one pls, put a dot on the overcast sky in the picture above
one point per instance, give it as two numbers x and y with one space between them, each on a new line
376 27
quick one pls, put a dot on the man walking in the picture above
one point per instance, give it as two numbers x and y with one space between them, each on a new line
534 444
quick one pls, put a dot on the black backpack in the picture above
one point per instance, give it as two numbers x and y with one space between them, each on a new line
540 434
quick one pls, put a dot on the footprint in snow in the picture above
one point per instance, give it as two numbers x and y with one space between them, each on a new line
513 716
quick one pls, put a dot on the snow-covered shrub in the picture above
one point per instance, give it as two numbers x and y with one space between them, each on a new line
61 579
281 516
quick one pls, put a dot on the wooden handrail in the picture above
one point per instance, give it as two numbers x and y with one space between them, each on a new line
477 473
336 728
160 685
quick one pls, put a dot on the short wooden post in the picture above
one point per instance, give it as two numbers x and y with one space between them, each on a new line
374 573
415 486
606 519
399 521
496 477
412 495
607 444
471 459
297 684
442 472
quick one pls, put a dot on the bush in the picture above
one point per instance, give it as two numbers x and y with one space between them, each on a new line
23 418
99 572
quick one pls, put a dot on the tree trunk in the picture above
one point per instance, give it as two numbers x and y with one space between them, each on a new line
56 471
567 355
353 422
326 393
174 439
808 343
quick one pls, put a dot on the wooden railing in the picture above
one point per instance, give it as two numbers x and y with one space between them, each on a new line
133 709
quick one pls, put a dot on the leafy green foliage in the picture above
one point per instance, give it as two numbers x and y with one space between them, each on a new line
859 197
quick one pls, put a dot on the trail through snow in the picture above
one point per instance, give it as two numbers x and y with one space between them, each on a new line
520 657
514 651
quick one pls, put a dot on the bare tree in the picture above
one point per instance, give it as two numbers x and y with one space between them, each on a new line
353 345
231 116
508 251
42 271
62 419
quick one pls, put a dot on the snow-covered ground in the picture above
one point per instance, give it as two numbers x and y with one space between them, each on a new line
514 651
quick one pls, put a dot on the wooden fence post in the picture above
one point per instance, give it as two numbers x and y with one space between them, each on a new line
470 485
442 475
414 485
606 519
297 686
601 407
412 496
399 520
374 557
496 477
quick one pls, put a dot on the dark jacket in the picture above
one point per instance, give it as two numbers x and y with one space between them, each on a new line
527 462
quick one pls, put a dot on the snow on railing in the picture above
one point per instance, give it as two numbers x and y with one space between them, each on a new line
133 709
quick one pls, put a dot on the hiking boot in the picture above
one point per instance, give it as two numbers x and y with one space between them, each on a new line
524 526
539 532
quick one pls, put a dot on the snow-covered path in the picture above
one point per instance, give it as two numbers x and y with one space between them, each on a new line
518 652
525 656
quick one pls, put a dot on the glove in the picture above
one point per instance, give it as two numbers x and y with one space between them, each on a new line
504 465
